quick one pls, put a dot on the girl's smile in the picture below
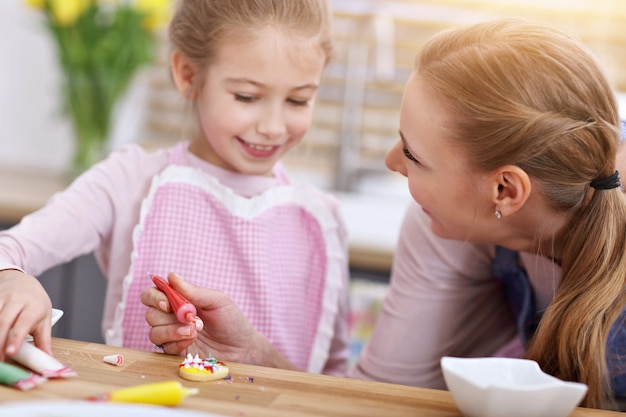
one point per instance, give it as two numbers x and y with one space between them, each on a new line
258 151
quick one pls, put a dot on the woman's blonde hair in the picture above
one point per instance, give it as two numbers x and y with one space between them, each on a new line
198 26
531 95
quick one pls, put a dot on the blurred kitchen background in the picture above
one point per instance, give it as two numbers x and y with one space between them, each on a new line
356 121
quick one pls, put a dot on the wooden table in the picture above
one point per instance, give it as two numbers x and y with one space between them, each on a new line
273 392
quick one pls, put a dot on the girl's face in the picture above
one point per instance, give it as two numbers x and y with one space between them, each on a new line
439 176
256 101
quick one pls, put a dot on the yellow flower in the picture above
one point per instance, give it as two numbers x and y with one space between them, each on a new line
157 12
37 4
65 12
109 2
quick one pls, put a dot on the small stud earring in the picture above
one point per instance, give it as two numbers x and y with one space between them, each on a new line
498 214
189 93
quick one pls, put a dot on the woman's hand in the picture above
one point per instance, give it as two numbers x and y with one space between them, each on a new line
227 334
25 308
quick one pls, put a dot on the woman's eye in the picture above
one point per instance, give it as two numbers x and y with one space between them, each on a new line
244 98
408 155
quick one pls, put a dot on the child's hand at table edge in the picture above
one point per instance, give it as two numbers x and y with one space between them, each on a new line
25 308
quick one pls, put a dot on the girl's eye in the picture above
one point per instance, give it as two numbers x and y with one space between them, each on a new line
297 102
244 98
408 155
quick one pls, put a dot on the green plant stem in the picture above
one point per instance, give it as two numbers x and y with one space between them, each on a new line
99 54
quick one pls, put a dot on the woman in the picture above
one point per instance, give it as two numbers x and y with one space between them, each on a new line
509 133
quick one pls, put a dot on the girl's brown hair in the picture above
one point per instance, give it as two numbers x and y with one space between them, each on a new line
198 26
531 95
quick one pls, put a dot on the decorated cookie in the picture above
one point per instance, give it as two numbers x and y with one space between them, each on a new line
193 368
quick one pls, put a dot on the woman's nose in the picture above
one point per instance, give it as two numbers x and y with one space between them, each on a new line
394 160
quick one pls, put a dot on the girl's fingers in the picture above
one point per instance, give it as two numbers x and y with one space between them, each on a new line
42 336
174 338
158 317
152 297
177 348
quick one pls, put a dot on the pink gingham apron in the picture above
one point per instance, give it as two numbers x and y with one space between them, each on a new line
277 255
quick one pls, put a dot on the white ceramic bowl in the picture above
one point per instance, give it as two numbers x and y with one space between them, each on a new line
56 315
498 387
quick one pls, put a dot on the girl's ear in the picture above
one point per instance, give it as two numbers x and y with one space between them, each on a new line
511 189
183 73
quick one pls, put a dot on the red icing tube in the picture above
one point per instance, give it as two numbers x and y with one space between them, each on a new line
184 310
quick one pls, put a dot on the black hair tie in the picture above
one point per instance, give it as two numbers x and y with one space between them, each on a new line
607 183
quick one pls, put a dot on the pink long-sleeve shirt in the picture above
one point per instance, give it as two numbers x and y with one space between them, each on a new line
443 300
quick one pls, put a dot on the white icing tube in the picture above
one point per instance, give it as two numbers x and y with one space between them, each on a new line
39 361
117 360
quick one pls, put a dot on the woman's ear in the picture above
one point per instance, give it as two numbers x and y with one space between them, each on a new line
511 189
183 73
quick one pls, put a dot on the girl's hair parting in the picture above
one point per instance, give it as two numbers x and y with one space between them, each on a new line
198 26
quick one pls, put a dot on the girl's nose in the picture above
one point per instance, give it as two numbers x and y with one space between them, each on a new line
395 159
272 124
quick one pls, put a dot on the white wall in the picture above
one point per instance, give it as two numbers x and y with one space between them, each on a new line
35 133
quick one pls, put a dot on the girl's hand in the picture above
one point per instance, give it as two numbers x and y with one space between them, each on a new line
227 334
25 308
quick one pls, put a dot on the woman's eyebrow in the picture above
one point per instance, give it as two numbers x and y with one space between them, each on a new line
402 136
404 141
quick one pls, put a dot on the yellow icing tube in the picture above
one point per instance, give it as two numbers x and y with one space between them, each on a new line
159 393
39 361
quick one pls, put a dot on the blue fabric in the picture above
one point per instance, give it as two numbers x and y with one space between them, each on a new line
521 297
518 290
616 356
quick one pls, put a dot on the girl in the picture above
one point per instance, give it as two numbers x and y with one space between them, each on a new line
509 133
218 209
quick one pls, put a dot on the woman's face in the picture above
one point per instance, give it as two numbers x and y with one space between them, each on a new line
439 176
